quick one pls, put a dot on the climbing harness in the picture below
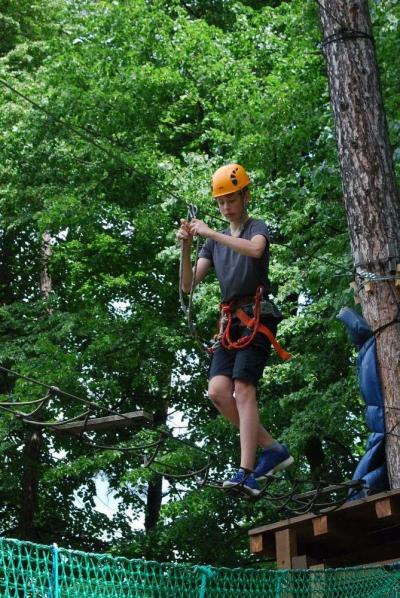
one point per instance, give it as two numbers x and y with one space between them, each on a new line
234 309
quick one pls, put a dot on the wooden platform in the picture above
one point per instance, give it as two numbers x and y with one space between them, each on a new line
100 424
365 531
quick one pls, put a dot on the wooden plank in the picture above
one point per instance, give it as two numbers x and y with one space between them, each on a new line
360 532
264 545
286 548
385 562
99 424
364 506
320 525
387 508
334 535
336 528
256 544
284 523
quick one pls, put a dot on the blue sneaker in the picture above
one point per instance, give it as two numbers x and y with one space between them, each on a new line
271 461
243 482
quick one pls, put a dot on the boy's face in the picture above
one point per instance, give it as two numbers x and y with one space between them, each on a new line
232 206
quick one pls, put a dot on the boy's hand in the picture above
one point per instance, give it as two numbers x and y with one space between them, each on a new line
198 227
184 233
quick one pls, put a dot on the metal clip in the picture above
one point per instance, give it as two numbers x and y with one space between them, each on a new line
192 212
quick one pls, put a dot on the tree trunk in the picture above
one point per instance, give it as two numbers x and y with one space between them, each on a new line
45 279
7 242
30 484
314 453
370 194
31 452
154 490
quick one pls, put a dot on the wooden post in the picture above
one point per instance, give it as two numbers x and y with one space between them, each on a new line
286 548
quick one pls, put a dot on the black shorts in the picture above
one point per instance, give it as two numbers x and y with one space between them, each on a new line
245 364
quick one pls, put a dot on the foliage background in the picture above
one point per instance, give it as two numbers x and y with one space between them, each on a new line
137 102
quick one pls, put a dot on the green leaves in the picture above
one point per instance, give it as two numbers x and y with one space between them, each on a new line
143 102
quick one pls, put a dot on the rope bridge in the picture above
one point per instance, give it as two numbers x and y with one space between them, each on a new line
35 570
161 451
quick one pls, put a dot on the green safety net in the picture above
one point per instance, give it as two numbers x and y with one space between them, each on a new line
35 571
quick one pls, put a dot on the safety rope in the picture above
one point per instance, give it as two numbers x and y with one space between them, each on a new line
322 497
289 502
344 33
187 309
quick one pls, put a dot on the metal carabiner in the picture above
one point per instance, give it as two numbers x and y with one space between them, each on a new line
192 212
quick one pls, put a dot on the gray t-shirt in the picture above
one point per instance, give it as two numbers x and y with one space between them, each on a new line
239 275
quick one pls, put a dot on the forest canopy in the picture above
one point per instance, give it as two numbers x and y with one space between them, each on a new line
113 116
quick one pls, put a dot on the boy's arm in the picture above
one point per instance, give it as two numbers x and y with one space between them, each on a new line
253 248
203 264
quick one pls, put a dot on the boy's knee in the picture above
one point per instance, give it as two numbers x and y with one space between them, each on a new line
244 389
214 396
219 391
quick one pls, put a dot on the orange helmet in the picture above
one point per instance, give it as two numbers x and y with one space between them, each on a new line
228 179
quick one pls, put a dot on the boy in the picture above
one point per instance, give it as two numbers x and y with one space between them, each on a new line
240 257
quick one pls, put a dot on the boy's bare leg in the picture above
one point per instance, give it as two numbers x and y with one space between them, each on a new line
220 391
245 393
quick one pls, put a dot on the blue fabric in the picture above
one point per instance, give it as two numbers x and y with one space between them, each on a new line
372 466
357 328
370 386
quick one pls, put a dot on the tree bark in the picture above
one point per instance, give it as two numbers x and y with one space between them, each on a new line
370 193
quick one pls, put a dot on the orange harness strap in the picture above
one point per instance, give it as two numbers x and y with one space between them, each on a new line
254 324
249 323
244 341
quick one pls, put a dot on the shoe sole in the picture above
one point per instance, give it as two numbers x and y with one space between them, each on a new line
283 465
240 489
